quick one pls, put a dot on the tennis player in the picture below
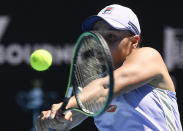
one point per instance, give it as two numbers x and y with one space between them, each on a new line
144 94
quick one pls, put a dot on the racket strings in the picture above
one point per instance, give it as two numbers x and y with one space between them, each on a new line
80 78
96 69
88 71
90 66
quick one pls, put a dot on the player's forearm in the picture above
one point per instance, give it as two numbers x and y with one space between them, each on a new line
94 91
129 79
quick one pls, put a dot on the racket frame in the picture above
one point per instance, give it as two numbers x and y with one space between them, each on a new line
109 65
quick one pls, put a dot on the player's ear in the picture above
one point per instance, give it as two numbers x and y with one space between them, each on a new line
135 41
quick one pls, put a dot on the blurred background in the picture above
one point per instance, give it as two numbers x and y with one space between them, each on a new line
26 25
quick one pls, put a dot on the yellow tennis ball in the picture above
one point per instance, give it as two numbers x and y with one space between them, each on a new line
41 60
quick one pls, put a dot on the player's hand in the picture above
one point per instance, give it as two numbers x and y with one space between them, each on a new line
49 119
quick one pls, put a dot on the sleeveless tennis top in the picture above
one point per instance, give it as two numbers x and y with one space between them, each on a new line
143 109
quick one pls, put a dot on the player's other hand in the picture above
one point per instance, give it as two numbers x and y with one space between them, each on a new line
49 119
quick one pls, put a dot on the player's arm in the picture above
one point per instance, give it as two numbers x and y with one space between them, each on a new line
141 67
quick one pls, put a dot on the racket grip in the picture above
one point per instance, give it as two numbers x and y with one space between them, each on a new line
61 112
62 108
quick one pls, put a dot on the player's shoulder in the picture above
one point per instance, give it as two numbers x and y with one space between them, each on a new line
148 51
145 54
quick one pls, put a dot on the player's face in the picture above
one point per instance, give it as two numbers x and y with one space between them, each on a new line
119 41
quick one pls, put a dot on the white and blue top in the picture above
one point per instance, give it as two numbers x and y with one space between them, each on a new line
143 109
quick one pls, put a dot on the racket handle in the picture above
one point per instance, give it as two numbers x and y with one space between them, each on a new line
62 108
61 112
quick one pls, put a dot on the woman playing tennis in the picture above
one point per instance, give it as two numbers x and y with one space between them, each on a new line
144 94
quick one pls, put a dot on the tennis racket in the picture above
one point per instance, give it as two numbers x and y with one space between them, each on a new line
91 60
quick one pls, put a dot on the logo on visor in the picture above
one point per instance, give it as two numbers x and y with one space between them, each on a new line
108 10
